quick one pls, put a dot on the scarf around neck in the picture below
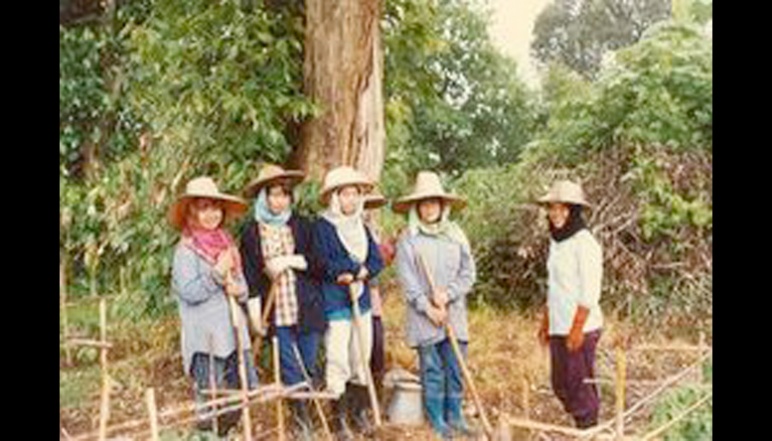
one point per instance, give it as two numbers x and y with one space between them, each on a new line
263 213
444 228
573 225
350 229
209 244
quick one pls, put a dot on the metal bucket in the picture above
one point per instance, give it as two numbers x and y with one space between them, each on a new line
406 406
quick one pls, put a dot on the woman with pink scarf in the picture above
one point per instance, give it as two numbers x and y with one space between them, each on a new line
206 269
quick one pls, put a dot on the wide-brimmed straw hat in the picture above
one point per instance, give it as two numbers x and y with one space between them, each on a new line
204 187
374 200
341 177
427 186
272 173
566 192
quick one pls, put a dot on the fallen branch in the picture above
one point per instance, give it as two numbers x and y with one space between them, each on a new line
677 418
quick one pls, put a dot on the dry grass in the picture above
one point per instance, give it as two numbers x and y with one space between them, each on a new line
504 354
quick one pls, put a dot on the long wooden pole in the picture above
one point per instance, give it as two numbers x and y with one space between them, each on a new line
277 380
363 354
151 410
237 326
459 356
212 381
104 407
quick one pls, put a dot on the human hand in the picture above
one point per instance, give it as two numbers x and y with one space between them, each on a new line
345 279
437 315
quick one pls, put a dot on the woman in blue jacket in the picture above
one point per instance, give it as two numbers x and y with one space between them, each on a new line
347 257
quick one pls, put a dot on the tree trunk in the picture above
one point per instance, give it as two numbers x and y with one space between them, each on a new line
343 73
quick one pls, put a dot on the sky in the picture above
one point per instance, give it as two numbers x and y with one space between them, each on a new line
511 27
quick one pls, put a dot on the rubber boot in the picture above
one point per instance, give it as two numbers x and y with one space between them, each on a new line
434 410
360 402
455 418
339 425
301 417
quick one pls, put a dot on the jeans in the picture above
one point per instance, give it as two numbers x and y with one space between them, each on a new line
226 376
306 343
440 372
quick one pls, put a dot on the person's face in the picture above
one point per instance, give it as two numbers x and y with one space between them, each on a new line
430 210
278 198
349 198
558 214
206 213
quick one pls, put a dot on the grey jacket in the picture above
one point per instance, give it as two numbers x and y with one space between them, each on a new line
452 267
203 307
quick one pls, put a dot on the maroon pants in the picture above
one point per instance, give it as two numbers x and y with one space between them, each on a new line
569 370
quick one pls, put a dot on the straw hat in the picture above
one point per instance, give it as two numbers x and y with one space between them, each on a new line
204 187
374 200
341 177
427 186
566 192
271 173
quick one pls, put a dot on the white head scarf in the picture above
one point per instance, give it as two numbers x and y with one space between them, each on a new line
350 229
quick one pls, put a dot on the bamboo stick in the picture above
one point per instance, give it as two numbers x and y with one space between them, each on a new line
63 308
363 356
104 408
212 381
87 342
277 380
151 410
656 432
620 392
674 348
237 327
545 427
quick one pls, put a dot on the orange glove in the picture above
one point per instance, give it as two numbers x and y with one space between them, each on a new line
576 335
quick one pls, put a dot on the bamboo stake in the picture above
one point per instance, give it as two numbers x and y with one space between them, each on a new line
87 342
620 392
277 380
63 308
237 327
212 381
104 408
151 410
459 356
317 404
544 427
363 355
677 418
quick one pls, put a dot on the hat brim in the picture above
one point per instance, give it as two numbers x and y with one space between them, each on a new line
291 176
548 199
375 203
403 205
365 187
233 206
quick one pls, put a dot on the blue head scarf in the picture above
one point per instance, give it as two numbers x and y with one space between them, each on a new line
264 215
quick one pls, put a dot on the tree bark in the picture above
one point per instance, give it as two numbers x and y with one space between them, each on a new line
343 74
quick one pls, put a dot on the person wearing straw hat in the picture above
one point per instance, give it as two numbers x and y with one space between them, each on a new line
374 201
431 237
572 319
275 248
347 257
206 268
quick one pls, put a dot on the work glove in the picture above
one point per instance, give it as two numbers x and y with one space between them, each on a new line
297 261
254 311
277 265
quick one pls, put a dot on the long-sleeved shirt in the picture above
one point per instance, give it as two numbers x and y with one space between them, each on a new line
452 267
333 260
310 302
203 307
574 275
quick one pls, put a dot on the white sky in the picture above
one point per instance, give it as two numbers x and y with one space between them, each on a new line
511 27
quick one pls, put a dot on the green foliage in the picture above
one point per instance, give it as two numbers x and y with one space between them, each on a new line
698 425
579 33
453 101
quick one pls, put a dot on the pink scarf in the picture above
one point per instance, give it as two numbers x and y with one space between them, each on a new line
210 243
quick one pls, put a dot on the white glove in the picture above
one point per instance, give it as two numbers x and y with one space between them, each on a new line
276 266
298 262
255 319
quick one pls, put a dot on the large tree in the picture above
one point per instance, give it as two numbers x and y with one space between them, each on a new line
342 73
578 32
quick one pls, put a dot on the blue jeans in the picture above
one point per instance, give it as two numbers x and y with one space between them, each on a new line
440 372
226 375
307 344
